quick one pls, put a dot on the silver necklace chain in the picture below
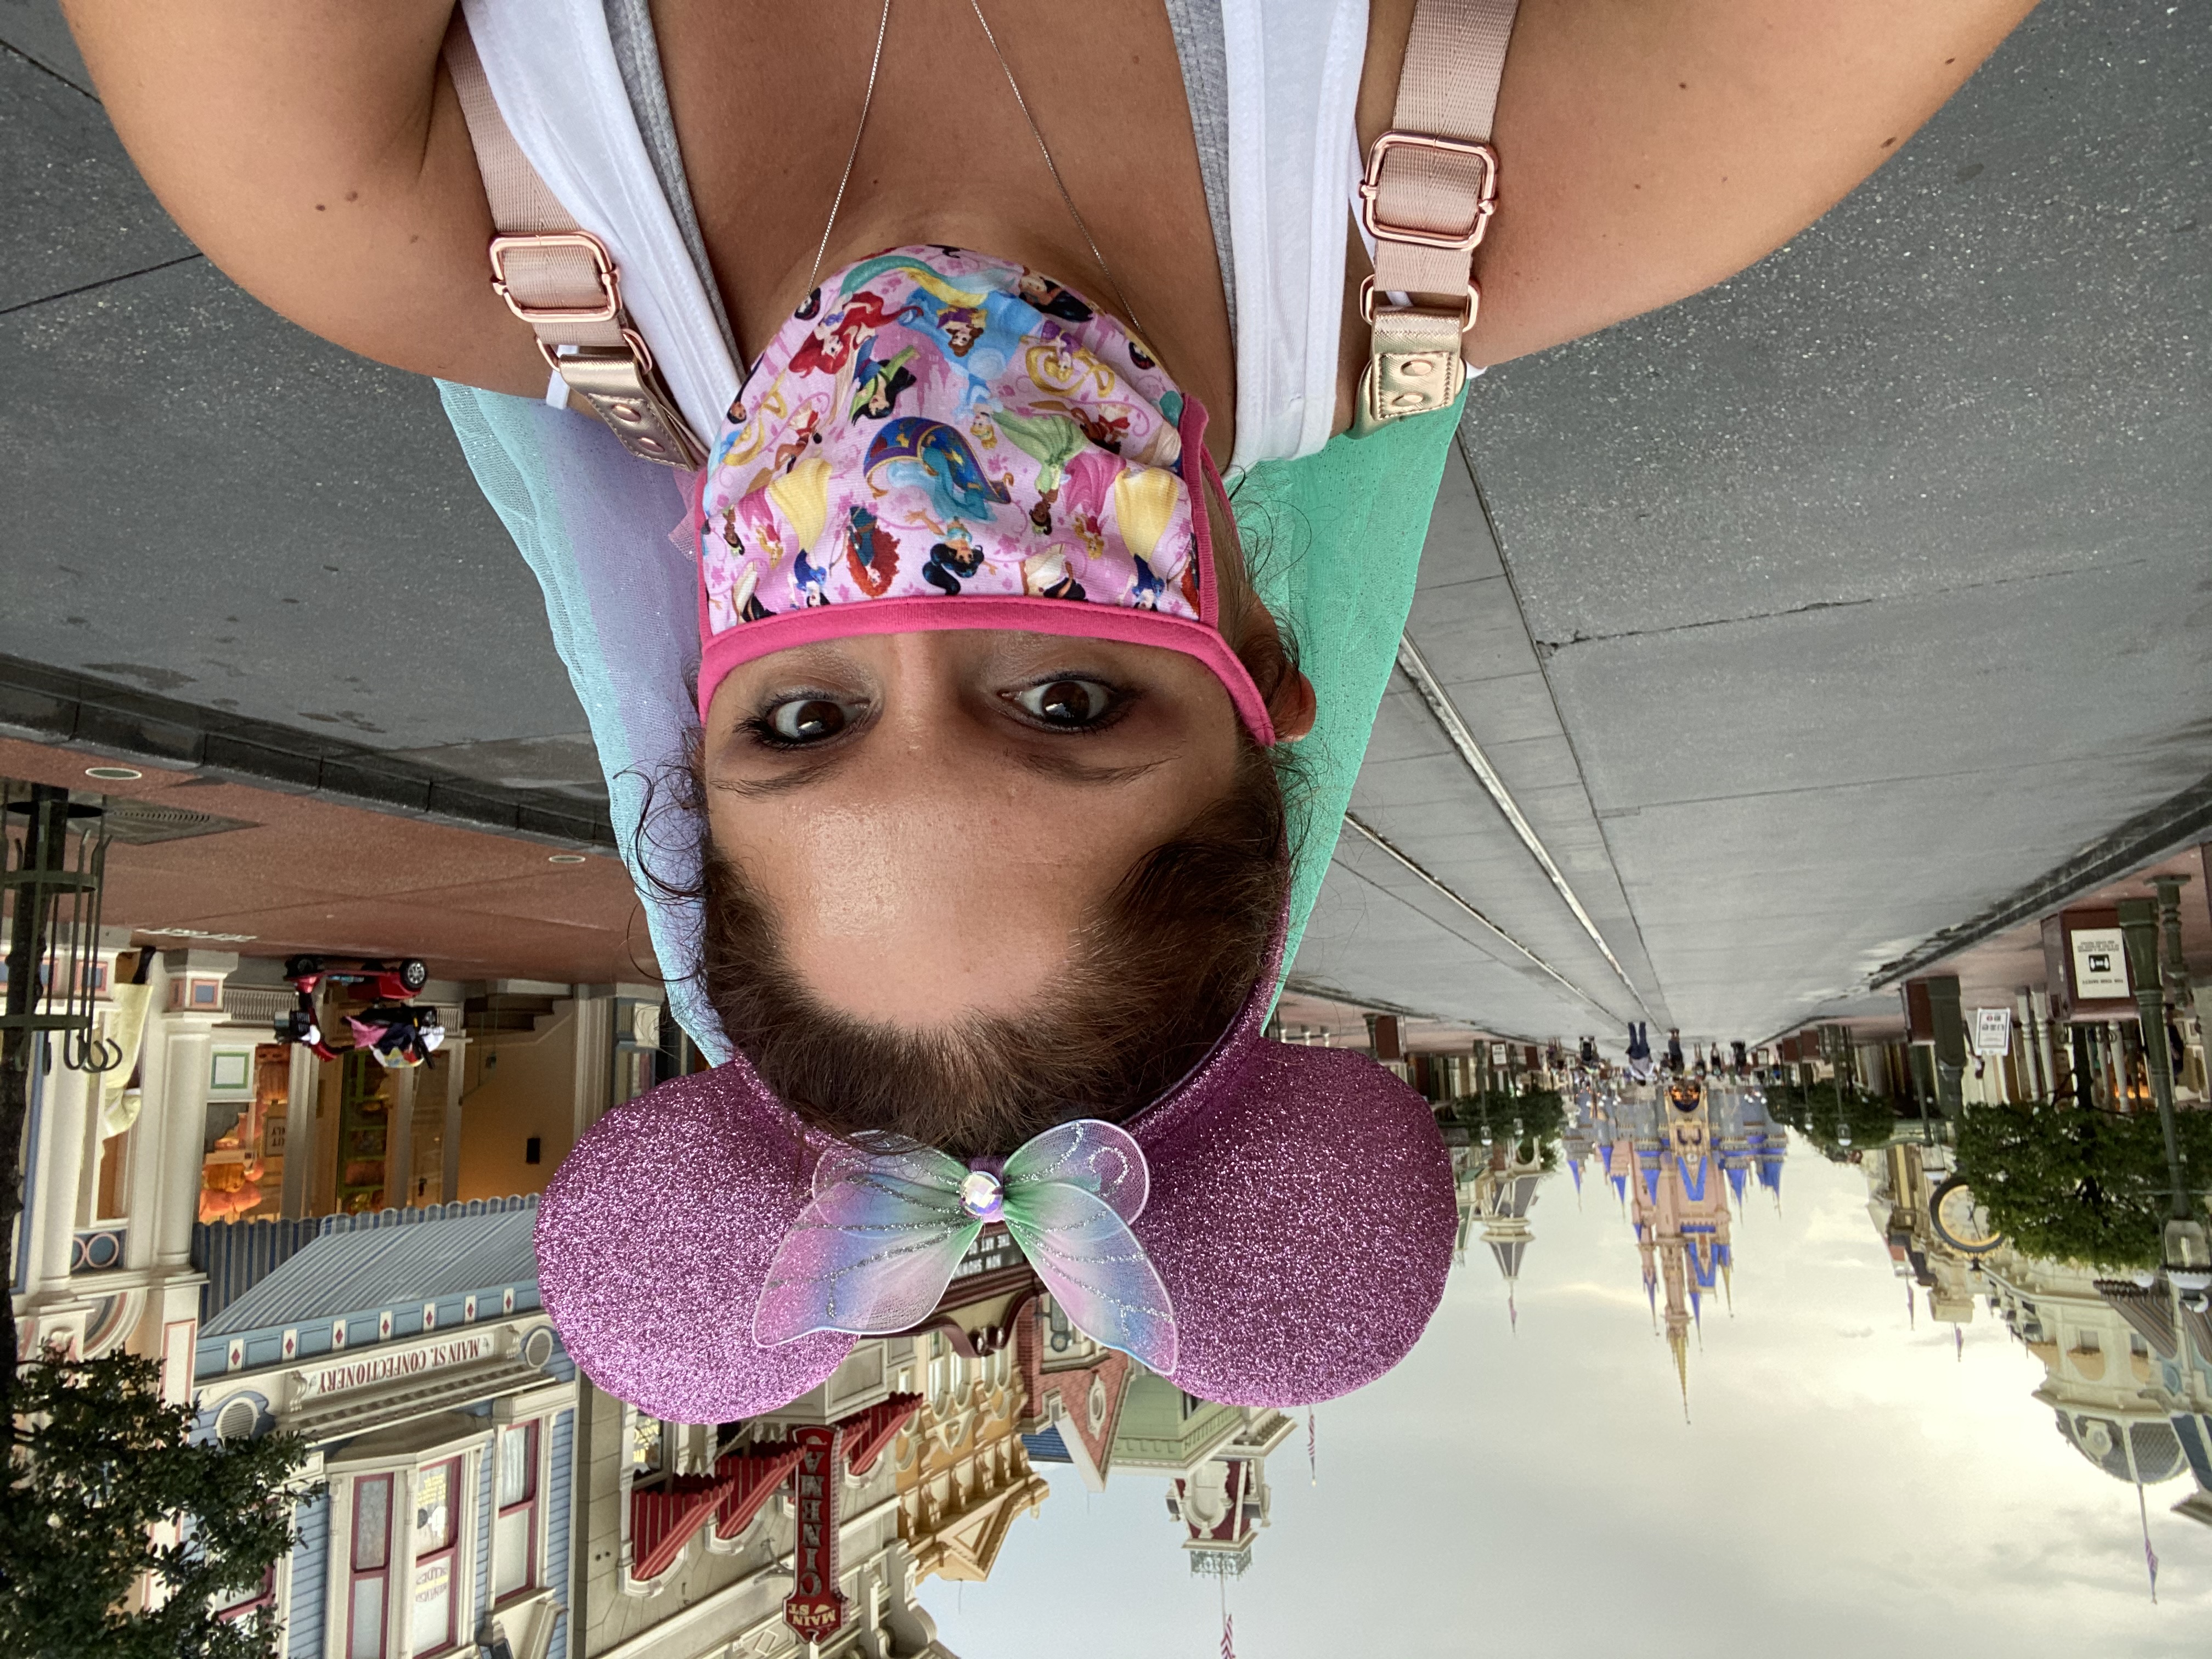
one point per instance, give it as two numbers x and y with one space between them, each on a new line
875 64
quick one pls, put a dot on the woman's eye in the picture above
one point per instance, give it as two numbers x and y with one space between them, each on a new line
1066 702
805 719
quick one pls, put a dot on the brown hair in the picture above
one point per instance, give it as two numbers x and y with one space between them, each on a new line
1159 971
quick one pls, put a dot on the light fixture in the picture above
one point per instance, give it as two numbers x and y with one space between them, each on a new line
564 858
54 862
115 773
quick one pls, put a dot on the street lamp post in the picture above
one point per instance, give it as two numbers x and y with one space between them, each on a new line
2173 970
57 857
2188 1262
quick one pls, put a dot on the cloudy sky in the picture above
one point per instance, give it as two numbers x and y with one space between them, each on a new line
1848 1485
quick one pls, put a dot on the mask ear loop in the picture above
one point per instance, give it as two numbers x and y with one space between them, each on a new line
1191 430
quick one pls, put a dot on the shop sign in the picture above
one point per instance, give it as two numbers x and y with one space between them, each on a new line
2100 963
328 1380
1993 1031
815 1609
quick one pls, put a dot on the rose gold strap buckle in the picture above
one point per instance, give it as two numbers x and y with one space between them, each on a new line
635 342
1468 305
602 268
1371 187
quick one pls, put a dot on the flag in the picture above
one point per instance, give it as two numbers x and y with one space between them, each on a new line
2150 1555
1228 1638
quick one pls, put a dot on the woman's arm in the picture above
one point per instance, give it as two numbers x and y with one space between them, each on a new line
314 150
1649 148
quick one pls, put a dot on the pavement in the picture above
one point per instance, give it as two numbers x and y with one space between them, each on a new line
1759 641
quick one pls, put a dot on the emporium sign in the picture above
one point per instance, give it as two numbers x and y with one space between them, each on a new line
375 1367
814 1609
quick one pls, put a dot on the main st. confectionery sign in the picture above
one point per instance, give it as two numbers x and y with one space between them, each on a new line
325 1381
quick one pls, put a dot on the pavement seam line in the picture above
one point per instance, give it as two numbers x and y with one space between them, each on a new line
1385 845
104 281
1545 648
14 51
1446 713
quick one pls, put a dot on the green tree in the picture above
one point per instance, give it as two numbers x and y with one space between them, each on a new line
1540 1115
97 1461
2078 1185
1821 1113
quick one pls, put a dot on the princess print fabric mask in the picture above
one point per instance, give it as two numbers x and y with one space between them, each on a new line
937 438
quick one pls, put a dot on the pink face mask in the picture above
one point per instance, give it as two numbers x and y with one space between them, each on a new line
938 439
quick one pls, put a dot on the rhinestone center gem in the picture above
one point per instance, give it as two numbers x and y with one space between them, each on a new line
982 1196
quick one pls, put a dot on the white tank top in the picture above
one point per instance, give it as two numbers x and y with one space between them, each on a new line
1292 81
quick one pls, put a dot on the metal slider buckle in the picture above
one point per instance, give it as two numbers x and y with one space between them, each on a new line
631 338
1371 187
1468 306
603 267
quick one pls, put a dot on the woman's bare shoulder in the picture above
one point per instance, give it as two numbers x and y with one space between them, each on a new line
314 150
1649 150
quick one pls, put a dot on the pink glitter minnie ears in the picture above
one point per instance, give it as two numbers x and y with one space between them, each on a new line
1299 1217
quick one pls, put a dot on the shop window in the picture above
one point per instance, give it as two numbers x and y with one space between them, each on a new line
514 1533
365 1091
242 1175
648 1451
263 1594
369 1587
437 1556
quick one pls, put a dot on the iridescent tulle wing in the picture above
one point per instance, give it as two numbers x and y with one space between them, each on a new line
1100 1157
1094 1267
873 1249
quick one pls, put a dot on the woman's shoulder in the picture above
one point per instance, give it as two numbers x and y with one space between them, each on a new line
320 159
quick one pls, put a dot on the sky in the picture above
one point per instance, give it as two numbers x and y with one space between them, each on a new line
1847 1484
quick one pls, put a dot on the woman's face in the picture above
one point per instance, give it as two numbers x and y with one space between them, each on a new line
931 816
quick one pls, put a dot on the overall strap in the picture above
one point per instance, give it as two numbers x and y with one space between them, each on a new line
1430 188
560 279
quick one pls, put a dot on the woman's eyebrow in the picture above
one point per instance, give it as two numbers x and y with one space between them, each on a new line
798 778
1070 769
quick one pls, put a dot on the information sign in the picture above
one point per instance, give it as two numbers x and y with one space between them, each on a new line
2100 965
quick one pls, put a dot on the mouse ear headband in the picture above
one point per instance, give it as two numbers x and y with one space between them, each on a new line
1273 1231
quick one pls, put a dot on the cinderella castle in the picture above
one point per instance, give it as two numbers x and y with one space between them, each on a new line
1681 1156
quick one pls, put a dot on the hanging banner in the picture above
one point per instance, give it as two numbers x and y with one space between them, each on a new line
814 1609
1992 1031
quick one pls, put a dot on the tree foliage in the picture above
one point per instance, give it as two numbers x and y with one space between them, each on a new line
1538 1115
1822 1113
97 1460
2088 1186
